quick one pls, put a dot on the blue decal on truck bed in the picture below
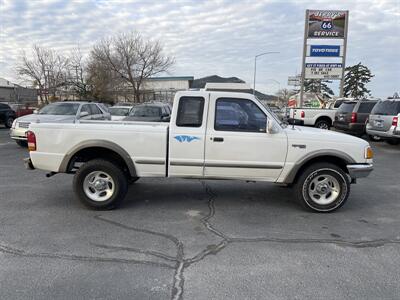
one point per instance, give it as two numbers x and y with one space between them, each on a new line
186 138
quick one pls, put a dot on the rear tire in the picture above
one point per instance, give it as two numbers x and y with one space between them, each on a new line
323 124
23 144
100 184
374 138
393 142
322 187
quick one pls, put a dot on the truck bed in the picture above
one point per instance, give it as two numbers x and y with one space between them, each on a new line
146 142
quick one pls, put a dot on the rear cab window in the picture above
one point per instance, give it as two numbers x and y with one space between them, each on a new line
190 112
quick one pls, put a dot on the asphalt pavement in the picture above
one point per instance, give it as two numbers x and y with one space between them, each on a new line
193 239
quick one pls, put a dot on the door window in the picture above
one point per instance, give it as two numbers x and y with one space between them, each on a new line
190 112
94 109
85 108
239 115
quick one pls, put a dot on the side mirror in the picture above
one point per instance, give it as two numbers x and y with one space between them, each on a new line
36 111
83 114
270 126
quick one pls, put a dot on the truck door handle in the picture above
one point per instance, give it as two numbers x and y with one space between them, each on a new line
218 139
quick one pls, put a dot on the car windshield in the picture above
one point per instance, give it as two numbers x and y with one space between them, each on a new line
386 108
69 109
146 111
346 107
119 111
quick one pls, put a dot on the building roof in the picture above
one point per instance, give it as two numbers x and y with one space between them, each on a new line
6 83
169 78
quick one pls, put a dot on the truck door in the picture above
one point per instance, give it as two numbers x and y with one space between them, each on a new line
186 138
237 145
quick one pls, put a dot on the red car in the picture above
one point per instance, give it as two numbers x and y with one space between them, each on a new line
22 109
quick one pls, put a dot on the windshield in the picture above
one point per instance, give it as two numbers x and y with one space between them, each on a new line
386 108
119 111
69 109
146 111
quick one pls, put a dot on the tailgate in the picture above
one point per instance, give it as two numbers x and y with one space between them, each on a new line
380 123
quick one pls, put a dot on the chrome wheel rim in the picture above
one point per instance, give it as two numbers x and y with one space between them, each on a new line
324 189
323 126
98 186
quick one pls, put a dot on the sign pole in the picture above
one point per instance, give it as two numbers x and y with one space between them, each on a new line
303 70
344 54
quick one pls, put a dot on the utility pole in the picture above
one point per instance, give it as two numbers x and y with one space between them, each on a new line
255 67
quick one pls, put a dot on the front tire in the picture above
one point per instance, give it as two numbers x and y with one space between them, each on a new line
100 184
9 122
322 187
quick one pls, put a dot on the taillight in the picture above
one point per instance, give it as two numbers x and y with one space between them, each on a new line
395 121
353 117
302 114
31 138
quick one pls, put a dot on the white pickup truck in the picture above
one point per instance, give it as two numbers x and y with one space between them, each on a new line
211 135
317 117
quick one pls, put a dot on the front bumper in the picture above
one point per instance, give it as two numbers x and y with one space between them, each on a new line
18 133
359 170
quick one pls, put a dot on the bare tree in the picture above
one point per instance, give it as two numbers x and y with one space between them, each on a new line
77 75
132 58
46 68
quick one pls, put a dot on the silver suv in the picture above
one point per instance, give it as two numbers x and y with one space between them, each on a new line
383 120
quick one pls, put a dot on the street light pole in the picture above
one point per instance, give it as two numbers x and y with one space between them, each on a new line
255 67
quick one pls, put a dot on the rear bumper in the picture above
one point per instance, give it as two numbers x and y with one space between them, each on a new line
359 170
384 134
350 127
28 164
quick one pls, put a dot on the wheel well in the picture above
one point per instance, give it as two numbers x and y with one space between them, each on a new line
324 119
340 162
91 153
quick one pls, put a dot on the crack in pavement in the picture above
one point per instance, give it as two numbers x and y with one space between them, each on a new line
20 252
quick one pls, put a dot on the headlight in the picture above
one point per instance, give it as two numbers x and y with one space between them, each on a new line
368 154
14 124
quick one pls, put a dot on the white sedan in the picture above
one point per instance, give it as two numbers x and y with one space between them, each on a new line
118 113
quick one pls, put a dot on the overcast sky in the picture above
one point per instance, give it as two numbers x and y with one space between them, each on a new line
208 37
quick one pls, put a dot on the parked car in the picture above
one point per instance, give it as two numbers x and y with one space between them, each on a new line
59 112
118 113
384 119
316 117
150 112
352 116
22 109
211 135
7 115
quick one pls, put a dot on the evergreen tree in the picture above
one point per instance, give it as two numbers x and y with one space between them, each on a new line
318 86
356 78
